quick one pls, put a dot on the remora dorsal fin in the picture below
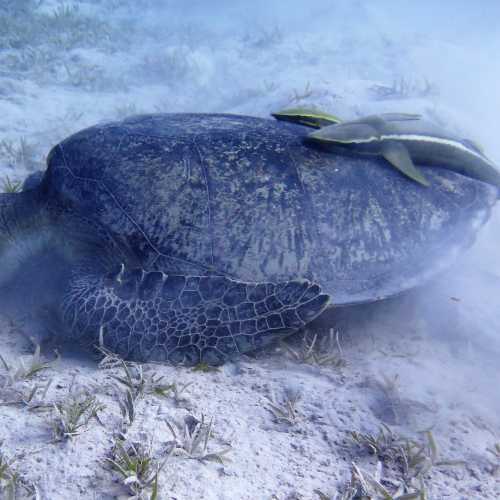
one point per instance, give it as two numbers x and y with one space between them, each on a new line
398 156
381 119
390 117
473 145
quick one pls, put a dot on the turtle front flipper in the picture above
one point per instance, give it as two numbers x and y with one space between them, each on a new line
152 316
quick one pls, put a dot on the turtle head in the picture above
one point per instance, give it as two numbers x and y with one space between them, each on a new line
19 215
41 246
31 270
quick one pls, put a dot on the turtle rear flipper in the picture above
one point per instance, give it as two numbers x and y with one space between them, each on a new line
187 319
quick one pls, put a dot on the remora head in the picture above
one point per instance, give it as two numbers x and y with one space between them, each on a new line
359 136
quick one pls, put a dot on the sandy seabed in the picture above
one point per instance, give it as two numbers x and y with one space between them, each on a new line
303 421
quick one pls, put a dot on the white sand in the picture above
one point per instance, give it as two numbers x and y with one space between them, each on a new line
425 361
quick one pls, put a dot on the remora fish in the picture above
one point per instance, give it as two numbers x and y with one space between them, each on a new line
404 139
306 116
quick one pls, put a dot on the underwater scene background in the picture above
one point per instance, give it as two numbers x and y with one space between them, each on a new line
401 402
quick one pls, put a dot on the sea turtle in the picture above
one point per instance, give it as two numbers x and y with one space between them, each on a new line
192 238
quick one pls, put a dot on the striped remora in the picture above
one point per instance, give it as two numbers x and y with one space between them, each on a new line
405 141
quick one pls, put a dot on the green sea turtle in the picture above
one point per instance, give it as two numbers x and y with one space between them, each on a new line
192 238
403 139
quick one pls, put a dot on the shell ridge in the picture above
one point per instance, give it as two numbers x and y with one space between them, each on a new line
206 177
